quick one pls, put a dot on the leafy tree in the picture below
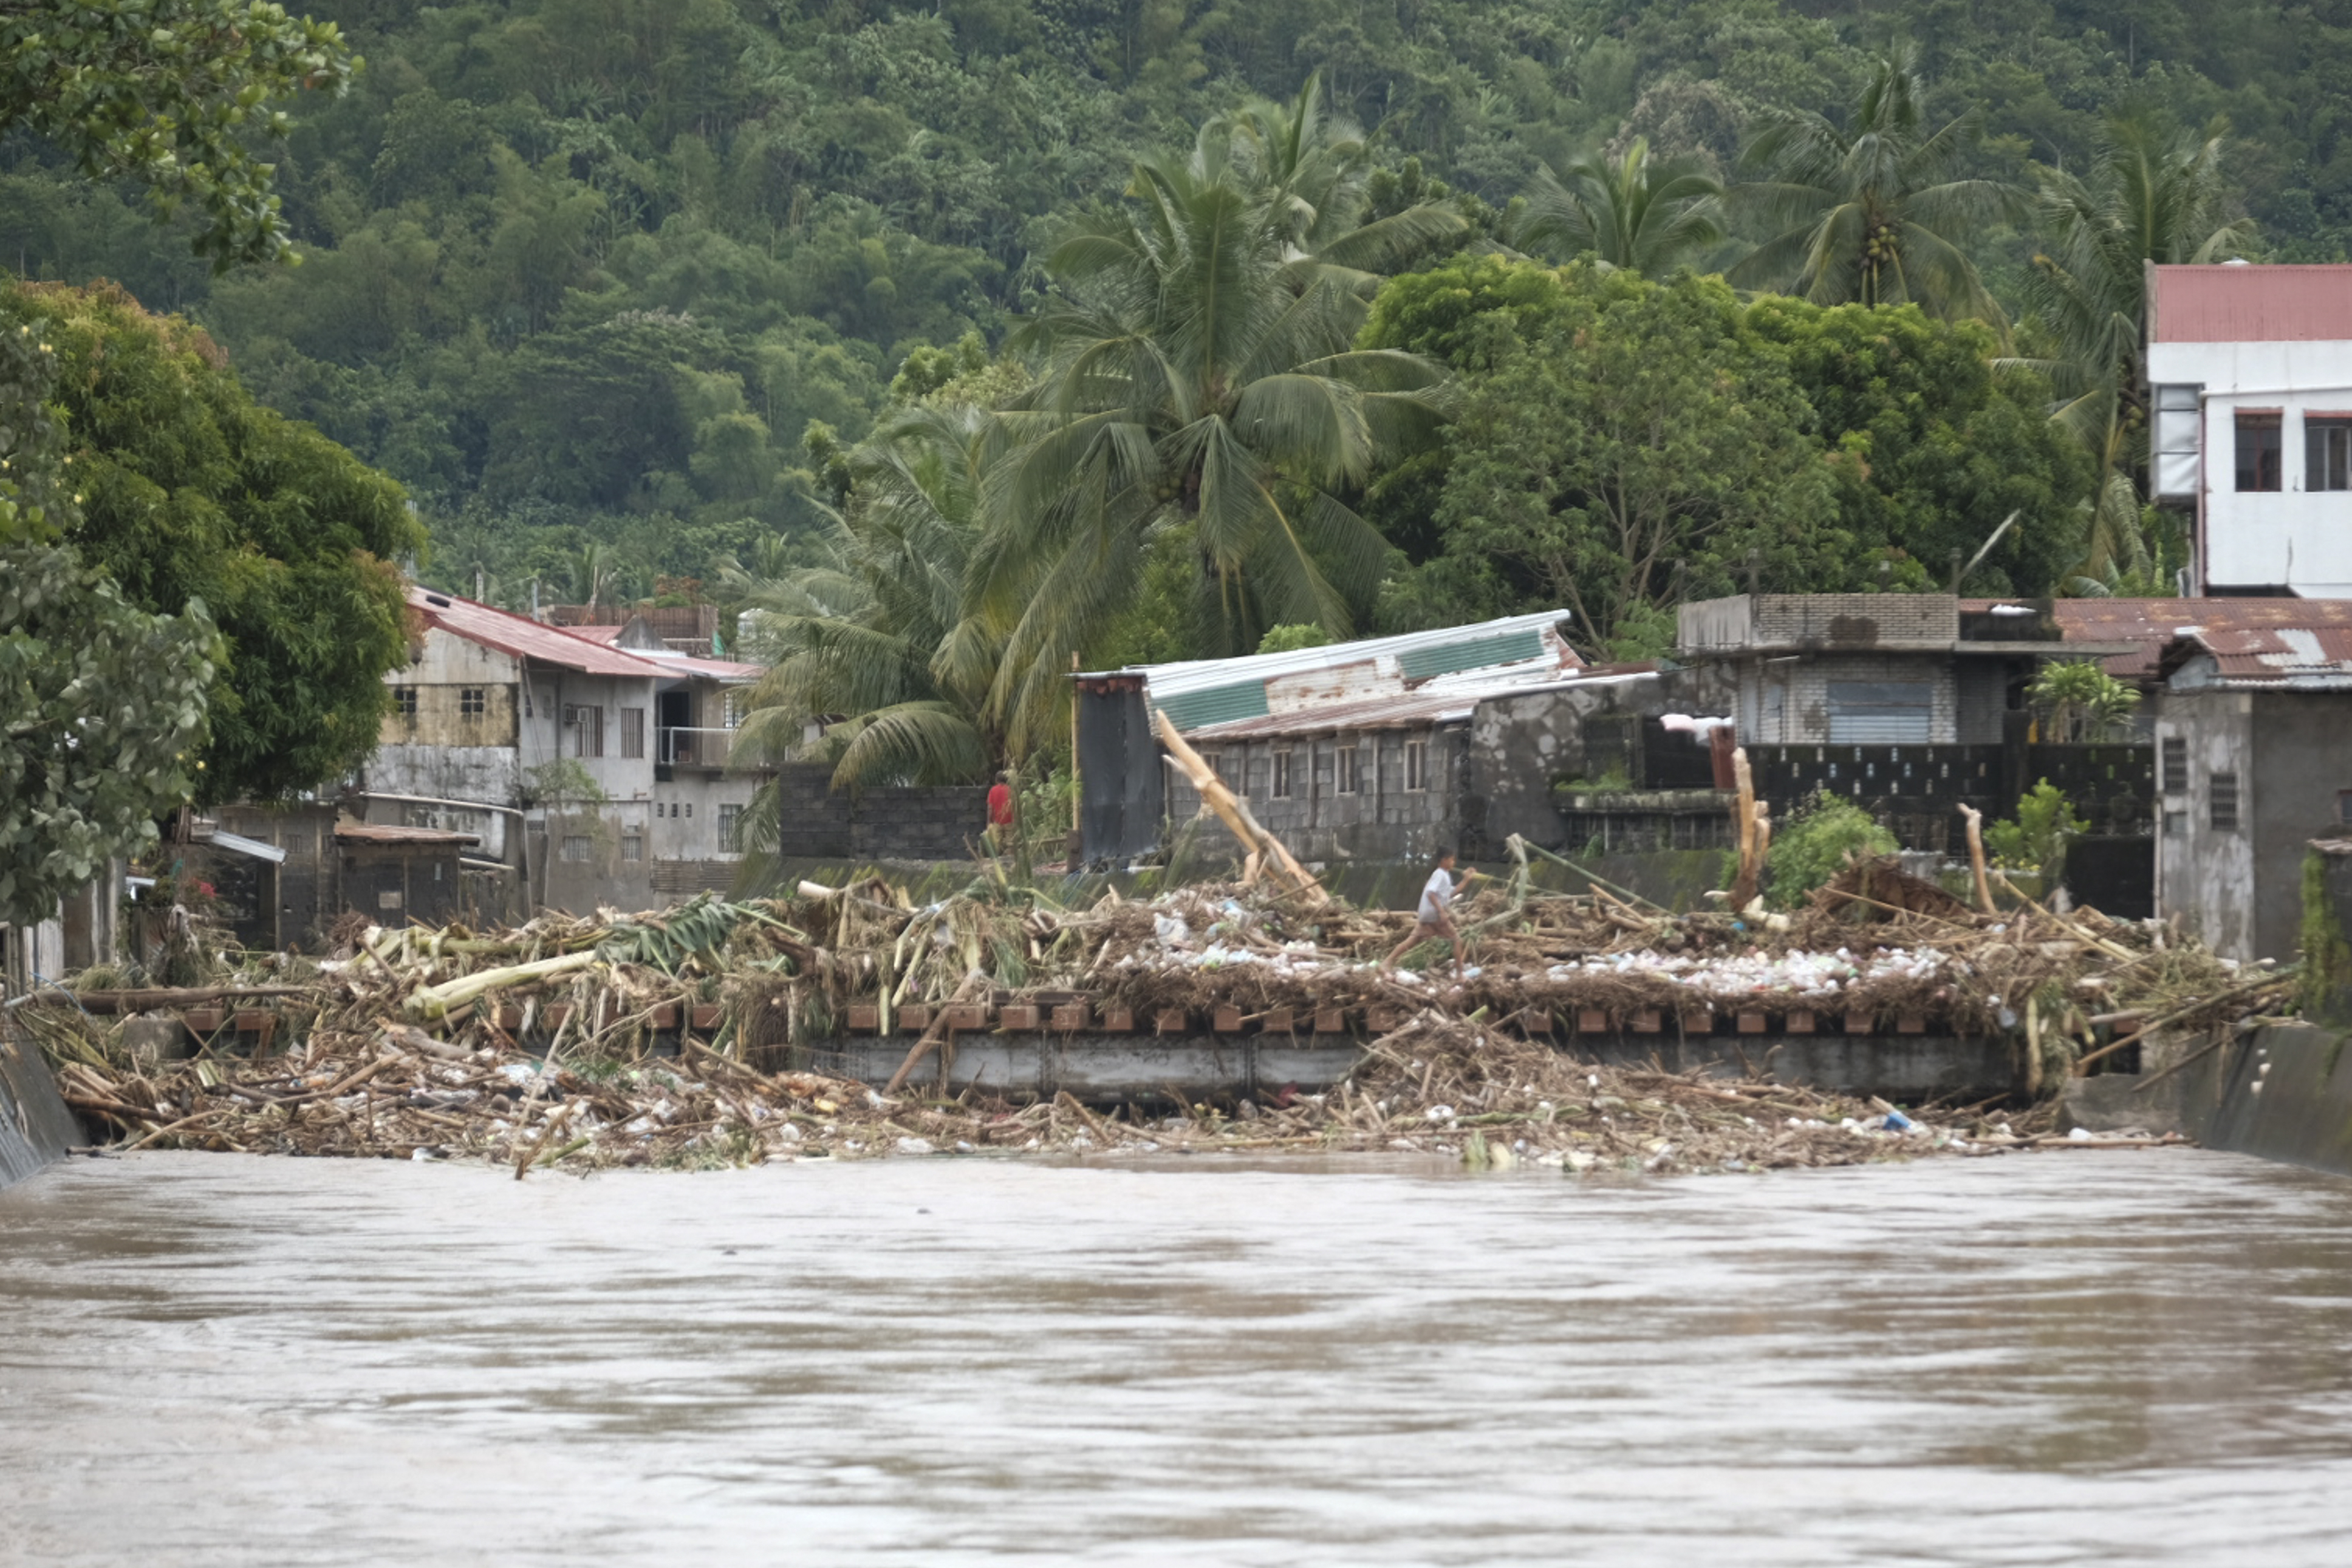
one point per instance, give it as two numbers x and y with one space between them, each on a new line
2154 194
1874 212
101 704
165 92
2078 701
1198 371
1637 452
1631 213
193 492
874 642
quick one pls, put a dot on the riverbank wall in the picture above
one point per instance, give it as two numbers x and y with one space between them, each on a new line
35 1128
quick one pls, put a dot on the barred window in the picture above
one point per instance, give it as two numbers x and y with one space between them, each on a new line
1281 787
473 702
404 701
731 828
1416 765
2172 763
1348 772
575 847
2222 801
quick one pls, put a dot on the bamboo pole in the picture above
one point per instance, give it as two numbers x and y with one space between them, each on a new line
1976 859
1257 842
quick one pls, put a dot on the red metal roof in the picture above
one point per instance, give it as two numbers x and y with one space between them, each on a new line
524 638
2229 304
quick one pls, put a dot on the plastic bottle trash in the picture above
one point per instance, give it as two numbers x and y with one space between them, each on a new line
1897 1121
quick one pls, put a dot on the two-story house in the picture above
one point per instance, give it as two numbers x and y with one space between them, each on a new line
597 772
2250 386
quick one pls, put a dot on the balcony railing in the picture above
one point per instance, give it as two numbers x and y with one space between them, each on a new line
696 747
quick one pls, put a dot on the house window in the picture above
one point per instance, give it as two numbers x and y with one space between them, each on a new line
2172 765
2180 431
473 702
2258 452
575 846
2327 451
587 730
633 732
731 710
1416 765
633 846
2221 802
689 810
1282 775
731 828
404 701
1347 770
2344 806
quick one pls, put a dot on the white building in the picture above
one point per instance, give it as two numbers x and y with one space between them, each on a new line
2250 376
591 764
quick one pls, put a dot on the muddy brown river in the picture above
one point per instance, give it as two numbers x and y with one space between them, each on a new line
2070 1358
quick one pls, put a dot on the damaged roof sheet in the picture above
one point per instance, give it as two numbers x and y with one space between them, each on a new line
389 833
2277 655
1449 701
525 638
2153 624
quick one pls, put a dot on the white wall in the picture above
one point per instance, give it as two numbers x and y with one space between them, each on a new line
2286 537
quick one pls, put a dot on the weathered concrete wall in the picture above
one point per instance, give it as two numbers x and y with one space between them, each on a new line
1520 745
2283 1093
1110 1067
1386 816
915 825
2212 877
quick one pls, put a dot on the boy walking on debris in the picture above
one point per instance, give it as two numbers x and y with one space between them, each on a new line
1435 916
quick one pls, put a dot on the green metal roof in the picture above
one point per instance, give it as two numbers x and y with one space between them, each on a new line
1243 699
1472 653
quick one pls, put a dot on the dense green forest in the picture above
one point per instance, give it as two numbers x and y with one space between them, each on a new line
586 270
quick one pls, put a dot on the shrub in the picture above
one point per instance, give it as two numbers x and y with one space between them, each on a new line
2036 840
1818 838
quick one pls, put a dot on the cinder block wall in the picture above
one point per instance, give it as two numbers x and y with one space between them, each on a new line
943 823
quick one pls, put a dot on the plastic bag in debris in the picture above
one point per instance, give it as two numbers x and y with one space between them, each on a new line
1171 930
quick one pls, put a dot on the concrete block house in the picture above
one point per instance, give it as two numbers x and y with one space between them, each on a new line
2250 389
594 763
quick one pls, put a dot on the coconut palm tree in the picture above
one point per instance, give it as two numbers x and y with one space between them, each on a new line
1646 219
2153 193
1198 373
874 643
1872 211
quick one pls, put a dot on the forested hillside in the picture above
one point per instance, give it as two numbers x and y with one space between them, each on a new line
583 271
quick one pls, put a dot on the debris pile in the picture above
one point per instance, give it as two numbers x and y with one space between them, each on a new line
688 1037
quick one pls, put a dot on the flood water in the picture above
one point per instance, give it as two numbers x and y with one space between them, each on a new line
2126 1358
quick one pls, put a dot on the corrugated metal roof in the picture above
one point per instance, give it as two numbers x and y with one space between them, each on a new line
1214 704
2153 623
2280 653
1192 675
524 638
1472 653
389 833
2250 304
1448 702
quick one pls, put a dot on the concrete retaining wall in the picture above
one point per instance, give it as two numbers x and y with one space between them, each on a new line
35 1128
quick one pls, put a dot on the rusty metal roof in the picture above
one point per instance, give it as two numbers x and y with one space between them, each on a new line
2227 303
2152 625
525 638
389 833
2278 655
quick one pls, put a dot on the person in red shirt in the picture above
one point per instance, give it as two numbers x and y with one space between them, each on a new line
1000 814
